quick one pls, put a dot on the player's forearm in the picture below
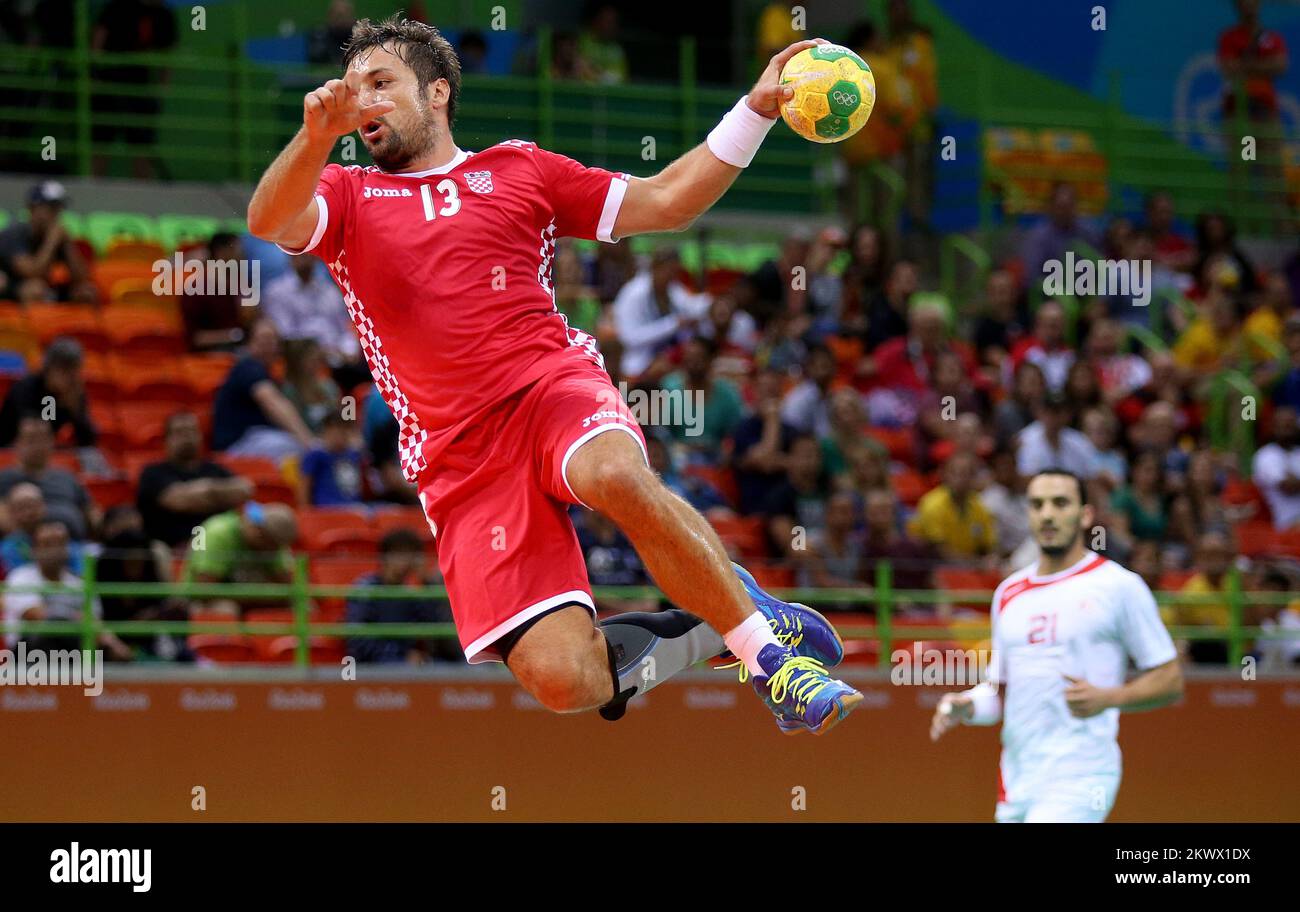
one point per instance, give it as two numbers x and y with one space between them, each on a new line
288 185
1158 687
691 185
986 705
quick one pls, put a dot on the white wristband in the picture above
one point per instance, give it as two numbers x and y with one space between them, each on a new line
986 705
736 138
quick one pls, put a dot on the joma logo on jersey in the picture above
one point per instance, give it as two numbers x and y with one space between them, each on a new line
368 192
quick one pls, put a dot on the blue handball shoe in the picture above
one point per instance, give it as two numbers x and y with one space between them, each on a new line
800 693
797 626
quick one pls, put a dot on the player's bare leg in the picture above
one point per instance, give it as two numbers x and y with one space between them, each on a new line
687 560
562 661
679 548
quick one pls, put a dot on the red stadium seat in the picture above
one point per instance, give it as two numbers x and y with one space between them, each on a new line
745 533
771 576
337 570
109 492
205 373
386 519
321 650
721 478
322 529
911 486
1256 538
900 442
222 648
972 579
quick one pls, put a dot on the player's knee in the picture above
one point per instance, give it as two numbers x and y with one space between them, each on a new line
569 678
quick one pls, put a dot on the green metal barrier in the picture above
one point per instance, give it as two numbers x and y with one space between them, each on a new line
1234 433
299 594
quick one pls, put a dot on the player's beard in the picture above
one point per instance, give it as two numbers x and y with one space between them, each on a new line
400 147
1055 551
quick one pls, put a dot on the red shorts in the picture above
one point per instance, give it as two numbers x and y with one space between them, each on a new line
498 503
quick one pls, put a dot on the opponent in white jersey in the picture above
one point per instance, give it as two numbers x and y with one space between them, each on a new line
1064 631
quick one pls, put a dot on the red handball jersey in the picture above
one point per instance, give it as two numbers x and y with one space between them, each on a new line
446 274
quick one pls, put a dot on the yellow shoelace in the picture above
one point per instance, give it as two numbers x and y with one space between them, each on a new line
811 680
788 639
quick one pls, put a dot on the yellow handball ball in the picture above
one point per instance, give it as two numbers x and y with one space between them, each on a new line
834 92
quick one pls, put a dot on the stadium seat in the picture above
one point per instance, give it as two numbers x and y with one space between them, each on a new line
910 486
771 576
106 274
900 442
141 423
109 492
386 519
49 321
1173 580
322 529
255 468
959 578
222 648
262 643
130 249
159 379
337 570
1256 538
721 478
322 650
140 332
745 533
139 292
205 373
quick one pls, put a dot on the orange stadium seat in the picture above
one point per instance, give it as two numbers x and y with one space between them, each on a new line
141 423
108 272
205 373
136 331
139 292
130 249
134 461
159 379
256 468
48 321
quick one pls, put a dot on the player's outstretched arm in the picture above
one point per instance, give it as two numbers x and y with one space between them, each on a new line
687 188
283 208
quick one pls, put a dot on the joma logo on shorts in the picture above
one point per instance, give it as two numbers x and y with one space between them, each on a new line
368 192
603 413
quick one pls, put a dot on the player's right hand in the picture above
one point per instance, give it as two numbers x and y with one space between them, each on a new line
953 709
335 109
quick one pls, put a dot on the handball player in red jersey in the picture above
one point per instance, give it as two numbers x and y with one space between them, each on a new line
507 415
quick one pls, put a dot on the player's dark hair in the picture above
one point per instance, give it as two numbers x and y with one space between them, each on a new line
400 540
421 47
1083 488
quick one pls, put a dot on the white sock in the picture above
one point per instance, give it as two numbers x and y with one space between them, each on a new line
748 638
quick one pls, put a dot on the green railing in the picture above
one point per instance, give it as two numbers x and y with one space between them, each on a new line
299 593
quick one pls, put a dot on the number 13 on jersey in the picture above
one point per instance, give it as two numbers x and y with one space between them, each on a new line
450 199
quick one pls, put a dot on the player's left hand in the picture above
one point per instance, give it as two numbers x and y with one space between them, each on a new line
767 94
1085 700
